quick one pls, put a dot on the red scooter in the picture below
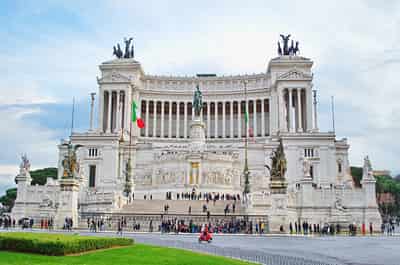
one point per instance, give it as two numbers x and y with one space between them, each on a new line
205 236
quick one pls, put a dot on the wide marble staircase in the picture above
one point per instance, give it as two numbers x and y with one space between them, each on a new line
181 207
144 212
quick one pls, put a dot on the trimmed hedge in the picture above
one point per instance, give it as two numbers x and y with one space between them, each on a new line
57 244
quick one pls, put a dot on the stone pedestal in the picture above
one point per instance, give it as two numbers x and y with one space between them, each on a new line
197 135
278 186
371 210
23 180
279 200
279 213
68 204
306 192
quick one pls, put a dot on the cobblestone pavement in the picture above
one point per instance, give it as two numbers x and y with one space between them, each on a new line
285 250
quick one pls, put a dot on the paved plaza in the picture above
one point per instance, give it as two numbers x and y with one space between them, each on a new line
279 249
288 250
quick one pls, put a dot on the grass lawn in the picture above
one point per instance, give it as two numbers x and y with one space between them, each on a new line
136 254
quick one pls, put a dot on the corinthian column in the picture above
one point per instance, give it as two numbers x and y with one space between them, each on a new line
177 118
262 118
147 118
185 120
117 113
309 118
231 118
162 120
208 119
223 119
246 126
299 108
255 118
239 108
109 111
170 119
216 119
290 113
154 118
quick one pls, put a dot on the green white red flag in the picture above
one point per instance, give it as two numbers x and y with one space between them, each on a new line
136 115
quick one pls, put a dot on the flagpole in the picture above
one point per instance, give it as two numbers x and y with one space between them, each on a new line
128 186
247 119
246 172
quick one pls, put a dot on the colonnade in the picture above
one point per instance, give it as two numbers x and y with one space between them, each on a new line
113 117
223 119
295 109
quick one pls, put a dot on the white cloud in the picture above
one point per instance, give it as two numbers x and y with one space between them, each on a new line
19 135
354 45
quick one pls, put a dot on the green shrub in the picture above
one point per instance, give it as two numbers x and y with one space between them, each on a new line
57 244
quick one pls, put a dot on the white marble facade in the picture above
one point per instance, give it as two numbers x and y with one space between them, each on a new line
280 105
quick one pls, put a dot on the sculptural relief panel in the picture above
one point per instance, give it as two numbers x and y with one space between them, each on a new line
168 176
220 176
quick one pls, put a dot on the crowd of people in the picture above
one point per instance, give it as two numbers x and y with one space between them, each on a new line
178 225
388 226
208 196
96 225
7 222
306 228
47 223
68 224
175 225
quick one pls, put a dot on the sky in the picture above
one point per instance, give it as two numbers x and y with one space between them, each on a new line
50 52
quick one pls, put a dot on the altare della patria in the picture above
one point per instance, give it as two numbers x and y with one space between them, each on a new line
205 148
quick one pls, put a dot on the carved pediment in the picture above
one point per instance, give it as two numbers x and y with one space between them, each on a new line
294 74
115 77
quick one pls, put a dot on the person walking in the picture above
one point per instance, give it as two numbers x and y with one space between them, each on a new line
119 231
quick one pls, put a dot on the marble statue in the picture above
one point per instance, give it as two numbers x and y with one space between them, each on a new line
367 169
285 40
129 49
278 163
279 49
127 45
25 165
339 205
306 168
197 101
292 50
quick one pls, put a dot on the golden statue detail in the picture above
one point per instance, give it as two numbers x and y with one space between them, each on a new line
70 162
278 169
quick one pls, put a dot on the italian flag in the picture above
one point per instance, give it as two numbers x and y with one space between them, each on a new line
136 115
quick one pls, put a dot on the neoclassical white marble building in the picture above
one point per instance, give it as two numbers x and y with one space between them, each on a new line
166 157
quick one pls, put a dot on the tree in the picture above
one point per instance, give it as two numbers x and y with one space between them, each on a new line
40 176
8 200
356 173
386 184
